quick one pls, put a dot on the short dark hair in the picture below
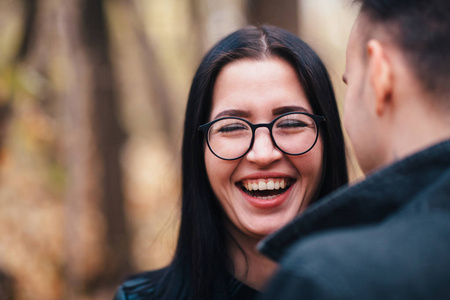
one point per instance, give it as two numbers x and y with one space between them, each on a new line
201 261
421 29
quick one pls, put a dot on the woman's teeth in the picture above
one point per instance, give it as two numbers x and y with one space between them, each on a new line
264 184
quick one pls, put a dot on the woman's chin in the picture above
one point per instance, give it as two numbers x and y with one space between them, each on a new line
260 231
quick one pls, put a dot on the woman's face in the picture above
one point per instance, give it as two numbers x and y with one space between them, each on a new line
259 91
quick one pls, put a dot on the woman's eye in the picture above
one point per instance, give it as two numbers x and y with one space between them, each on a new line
232 128
292 124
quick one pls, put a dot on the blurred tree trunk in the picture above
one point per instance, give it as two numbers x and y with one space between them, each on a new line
198 21
110 138
211 20
97 239
6 286
161 97
282 13
30 13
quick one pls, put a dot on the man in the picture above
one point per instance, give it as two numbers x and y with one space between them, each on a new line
387 237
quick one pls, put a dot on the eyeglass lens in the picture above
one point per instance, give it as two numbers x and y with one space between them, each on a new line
294 134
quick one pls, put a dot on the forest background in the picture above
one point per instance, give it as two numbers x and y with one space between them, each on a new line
92 99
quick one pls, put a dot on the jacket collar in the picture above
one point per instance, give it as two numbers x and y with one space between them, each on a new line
366 202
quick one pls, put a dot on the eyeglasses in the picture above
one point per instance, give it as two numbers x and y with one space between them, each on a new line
293 133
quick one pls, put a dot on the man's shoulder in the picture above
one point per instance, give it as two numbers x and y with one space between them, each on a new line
407 254
139 286
389 236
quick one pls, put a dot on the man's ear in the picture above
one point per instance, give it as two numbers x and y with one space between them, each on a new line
380 74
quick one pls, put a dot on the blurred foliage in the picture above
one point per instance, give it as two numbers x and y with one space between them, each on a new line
154 48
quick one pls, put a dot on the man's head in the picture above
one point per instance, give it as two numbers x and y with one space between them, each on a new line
398 67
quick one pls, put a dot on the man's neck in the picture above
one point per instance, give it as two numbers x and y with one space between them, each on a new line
417 127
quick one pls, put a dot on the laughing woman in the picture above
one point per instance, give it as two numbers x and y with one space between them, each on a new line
262 141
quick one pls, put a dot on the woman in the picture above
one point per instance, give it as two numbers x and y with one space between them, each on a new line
262 140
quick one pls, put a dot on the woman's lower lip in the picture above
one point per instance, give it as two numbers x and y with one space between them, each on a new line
267 203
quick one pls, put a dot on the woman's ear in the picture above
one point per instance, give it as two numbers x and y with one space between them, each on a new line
380 72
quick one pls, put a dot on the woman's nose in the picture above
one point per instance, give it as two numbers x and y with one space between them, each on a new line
263 151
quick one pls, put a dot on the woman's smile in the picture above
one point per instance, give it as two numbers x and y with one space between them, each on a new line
252 187
265 193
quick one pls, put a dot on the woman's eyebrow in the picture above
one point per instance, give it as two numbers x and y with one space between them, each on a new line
233 113
285 109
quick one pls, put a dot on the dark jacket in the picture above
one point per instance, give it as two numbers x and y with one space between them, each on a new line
143 286
387 237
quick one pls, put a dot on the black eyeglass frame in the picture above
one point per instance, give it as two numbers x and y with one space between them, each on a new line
316 118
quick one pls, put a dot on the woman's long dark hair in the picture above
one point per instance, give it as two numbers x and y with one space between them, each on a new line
199 268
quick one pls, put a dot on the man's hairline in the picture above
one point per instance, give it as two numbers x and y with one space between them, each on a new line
370 29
